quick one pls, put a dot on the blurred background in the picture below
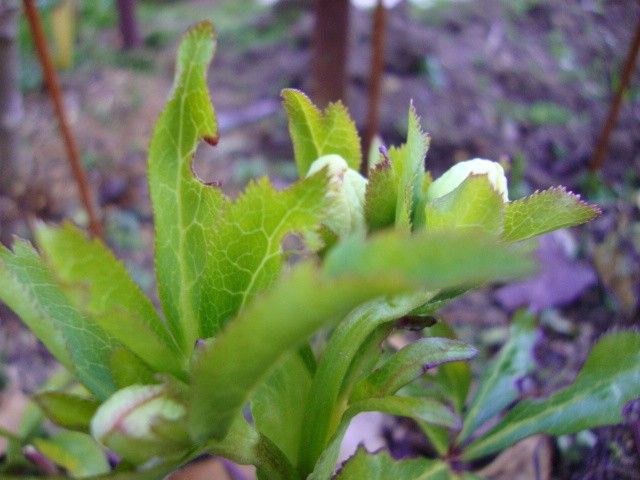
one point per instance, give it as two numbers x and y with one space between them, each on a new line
530 83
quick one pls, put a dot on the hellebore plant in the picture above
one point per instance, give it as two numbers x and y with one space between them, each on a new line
264 361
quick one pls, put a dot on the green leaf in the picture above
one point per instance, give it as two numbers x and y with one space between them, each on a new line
432 262
609 378
99 285
77 452
438 260
128 369
315 133
419 218
246 251
498 386
422 409
381 197
425 409
453 378
381 466
228 371
365 359
244 445
19 296
473 204
410 363
141 422
408 164
67 410
439 437
440 300
34 294
451 381
184 208
278 405
214 255
325 407
544 212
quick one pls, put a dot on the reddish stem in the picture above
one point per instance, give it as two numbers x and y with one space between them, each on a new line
128 24
330 50
375 80
614 110
53 87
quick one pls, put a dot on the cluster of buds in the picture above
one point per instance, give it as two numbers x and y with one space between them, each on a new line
346 189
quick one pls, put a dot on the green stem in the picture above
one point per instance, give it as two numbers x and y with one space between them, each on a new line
246 446
325 405
10 435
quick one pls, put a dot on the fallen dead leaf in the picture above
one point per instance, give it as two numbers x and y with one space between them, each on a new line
12 405
210 469
529 459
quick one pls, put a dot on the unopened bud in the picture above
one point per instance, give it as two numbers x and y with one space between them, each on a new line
346 193
452 178
140 422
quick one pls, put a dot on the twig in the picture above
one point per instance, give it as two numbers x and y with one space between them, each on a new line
53 87
375 80
603 141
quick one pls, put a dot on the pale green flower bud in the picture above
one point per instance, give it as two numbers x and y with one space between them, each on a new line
140 422
346 192
457 174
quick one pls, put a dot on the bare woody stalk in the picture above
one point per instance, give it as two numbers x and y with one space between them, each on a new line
53 87
128 25
330 46
11 112
375 79
614 110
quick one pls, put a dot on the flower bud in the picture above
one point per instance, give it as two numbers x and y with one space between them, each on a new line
346 193
457 174
140 422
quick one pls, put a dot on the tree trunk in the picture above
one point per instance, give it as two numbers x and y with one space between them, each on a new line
128 24
330 50
11 112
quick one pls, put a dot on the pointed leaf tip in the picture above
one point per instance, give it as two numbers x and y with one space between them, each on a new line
315 133
545 211
182 230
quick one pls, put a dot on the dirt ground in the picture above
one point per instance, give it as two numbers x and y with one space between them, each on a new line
527 82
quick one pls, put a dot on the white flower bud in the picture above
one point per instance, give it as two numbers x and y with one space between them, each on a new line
131 420
452 178
346 193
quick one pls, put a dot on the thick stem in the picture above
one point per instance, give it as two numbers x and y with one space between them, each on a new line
11 111
330 50
375 80
53 87
128 24
246 446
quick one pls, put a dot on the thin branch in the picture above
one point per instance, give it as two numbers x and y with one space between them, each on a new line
614 110
53 87
375 80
